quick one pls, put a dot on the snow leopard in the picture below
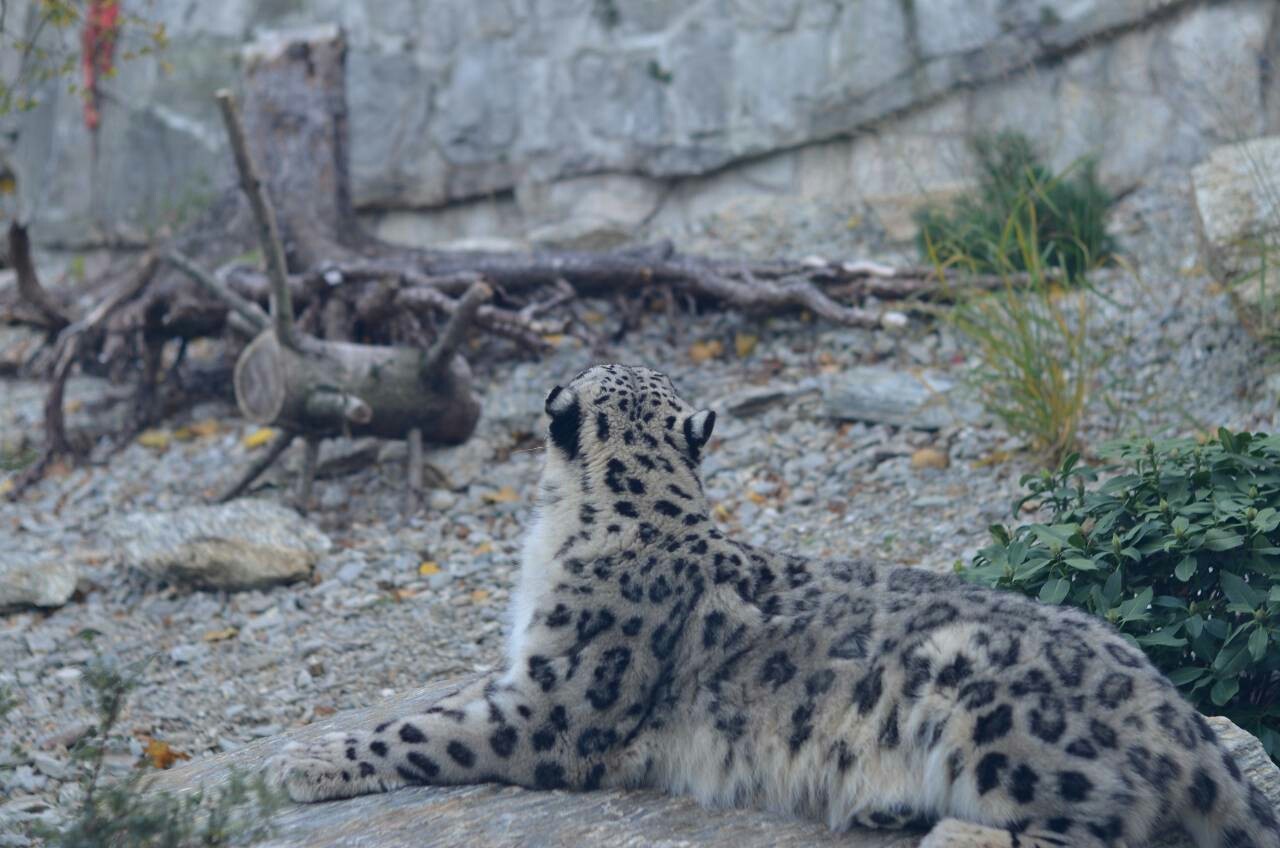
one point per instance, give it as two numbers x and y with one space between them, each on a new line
649 649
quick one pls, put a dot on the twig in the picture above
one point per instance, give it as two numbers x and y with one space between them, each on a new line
261 464
29 287
68 348
500 322
268 227
243 307
335 320
338 408
413 470
310 461
455 331
564 294
146 269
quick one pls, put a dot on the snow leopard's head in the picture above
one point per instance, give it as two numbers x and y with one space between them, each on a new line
622 432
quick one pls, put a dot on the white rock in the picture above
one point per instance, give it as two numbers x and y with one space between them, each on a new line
241 545
1238 212
28 579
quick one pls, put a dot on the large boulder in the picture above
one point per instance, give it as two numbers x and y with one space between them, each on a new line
1237 195
501 816
244 544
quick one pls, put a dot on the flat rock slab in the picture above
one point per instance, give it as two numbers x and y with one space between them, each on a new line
244 544
495 815
923 401
508 816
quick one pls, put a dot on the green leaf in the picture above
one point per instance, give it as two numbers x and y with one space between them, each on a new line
1170 601
1164 637
1224 690
1258 643
1054 537
1232 659
1267 520
1111 589
1054 591
1185 568
1194 625
1186 674
1081 564
1135 609
1218 539
1238 591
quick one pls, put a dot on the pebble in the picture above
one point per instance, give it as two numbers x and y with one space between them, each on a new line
441 500
183 654
49 766
350 571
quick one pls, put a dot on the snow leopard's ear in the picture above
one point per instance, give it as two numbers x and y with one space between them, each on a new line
566 418
697 430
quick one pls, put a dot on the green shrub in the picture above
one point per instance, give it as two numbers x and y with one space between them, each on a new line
1065 212
1179 548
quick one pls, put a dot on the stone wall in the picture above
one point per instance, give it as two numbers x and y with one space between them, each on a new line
591 121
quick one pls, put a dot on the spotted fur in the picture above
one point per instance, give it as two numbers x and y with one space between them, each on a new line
647 649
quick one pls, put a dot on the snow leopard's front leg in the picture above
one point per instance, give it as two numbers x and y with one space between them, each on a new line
487 732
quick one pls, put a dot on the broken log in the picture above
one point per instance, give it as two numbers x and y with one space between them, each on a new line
360 390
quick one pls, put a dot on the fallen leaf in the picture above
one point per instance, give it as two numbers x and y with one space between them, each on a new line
755 497
996 457
258 437
479 596
483 548
504 495
207 427
221 635
700 352
154 439
161 755
6 486
553 339
428 567
744 344
73 406
324 711
403 594
592 317
929 458
720 512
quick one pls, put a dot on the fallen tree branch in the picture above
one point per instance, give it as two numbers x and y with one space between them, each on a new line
272 452
499 322
268 227
29 288
455 332
246 309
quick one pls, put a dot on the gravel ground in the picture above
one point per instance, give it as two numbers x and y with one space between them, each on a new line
228 667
